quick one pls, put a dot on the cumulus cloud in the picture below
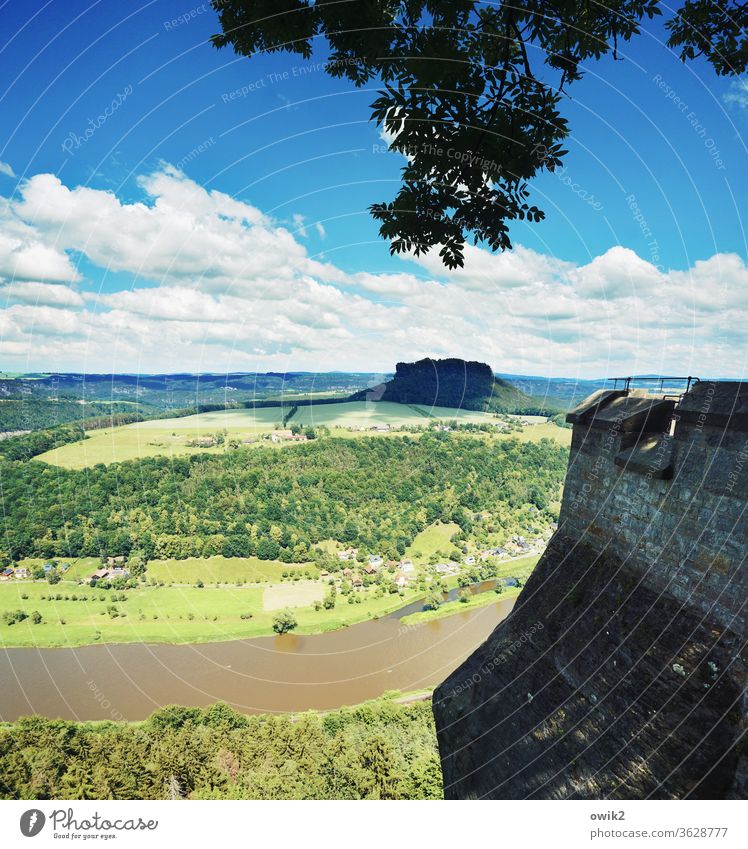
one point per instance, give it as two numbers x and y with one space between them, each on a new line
41 294
25 253
737 93
214 284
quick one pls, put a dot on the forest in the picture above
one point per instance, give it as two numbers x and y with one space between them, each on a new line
374 493
378 750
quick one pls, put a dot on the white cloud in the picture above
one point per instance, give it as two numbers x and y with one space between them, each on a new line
41 294
737 93
6 169
214 284
298 223
25 253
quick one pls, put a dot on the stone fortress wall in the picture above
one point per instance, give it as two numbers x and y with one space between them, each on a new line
621 672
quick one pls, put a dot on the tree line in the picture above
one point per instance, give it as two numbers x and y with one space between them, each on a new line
378 750
376 494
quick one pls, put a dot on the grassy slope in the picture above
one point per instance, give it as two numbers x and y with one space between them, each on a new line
435 538
169 436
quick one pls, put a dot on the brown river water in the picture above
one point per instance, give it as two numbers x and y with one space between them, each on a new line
266 674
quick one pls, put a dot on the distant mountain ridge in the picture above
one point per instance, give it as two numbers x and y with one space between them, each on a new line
468 385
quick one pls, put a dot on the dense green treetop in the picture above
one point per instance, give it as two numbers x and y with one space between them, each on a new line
379 750
376 493
471 91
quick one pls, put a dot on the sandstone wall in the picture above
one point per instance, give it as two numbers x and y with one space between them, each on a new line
622 671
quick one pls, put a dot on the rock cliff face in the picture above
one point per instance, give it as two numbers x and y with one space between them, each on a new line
621 672
448 383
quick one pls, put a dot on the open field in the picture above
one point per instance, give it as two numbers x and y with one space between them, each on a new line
297 594
225 570
546 430
431 540
160 437
169 437
165 614
353 414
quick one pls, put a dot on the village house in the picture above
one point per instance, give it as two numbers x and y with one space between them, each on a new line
347 573
7 575
370 570
401 580
470 560
406 566
348 554
519 543
375 560
287 436
98 575
382 428
357 581
22 572
280 435
492 552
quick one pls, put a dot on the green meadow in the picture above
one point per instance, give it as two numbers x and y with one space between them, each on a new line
225 570
170 437
169 614
435 539
452 608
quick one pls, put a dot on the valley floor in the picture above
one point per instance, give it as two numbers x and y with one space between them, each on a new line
74 614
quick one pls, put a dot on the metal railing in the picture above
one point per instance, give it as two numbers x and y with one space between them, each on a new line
659 384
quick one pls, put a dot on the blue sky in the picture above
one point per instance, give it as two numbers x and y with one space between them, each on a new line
637 267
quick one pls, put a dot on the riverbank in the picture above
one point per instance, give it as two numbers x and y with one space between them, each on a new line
73 615
279 674
176 615
451 608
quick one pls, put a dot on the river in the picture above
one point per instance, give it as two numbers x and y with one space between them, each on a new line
262 675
